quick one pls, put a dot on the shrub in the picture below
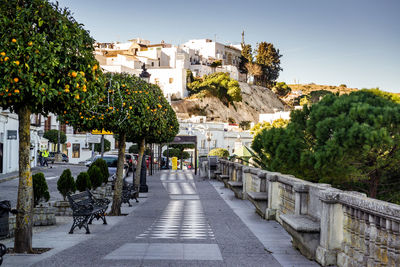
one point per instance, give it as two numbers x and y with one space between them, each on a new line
343 85
220 152
83 182
95 175
102 165
66 183
40 188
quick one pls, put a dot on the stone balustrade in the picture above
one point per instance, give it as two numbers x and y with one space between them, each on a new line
332 226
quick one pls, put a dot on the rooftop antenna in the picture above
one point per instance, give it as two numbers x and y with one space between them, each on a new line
243 37
215 37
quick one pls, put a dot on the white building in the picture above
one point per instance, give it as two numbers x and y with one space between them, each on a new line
168 64
270 117
214 135
9 142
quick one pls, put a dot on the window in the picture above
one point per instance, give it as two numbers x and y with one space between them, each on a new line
152 64
47 124
171 80
76 149
214 143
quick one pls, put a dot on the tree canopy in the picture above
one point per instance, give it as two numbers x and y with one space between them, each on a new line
52 136
281 89
268 57
278 123
220 152
351 141
47 64
218 84
46 60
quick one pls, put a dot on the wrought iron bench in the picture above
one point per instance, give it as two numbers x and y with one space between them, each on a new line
85 207
3 251
129 192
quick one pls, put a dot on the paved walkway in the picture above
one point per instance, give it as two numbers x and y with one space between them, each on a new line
185 221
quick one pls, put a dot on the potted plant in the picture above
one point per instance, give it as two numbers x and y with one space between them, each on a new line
96 179
83 182
65 184
42 214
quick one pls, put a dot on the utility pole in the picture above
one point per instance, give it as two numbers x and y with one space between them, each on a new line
102 145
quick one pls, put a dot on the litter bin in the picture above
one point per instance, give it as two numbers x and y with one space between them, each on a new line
5 208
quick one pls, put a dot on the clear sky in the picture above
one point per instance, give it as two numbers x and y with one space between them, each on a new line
352 42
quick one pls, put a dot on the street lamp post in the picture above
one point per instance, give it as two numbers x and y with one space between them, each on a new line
208 136
145 76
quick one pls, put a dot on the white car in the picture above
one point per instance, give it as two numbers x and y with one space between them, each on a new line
111 161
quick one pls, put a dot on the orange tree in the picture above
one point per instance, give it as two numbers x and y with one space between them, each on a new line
161 128
124 109
46 65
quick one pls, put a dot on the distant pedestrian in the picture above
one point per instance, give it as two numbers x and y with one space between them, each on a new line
40 157
45 157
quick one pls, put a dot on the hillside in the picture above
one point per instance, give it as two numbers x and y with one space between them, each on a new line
307 88
256 100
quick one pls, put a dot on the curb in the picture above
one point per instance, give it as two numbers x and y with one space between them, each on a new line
8 178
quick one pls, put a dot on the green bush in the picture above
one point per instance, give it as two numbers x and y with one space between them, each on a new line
83 182
66 183
102 165
96 177
40 188
220 152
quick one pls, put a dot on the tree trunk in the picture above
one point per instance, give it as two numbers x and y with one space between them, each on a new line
23 231
116 205
181 159
139 164
373 185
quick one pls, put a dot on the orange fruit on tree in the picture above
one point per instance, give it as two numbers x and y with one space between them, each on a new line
16 80
74 74
6 58
16 62
77 96
16 91
3 54
30 43
130 107
66 90
14 40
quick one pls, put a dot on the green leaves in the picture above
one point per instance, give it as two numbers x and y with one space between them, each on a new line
43 45
218 84
346 140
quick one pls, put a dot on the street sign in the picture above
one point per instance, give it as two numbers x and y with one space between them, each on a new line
11 135
101 132
94 139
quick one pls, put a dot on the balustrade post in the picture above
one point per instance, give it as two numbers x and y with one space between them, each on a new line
331 234
301 201
273 196
245 179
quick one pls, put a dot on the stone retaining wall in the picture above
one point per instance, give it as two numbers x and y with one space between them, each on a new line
354 230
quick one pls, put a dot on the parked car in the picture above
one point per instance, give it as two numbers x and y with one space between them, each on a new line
52 157
111 161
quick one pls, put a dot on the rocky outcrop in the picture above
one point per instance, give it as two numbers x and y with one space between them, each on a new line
256 100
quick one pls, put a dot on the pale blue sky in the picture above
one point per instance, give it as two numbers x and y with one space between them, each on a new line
353 42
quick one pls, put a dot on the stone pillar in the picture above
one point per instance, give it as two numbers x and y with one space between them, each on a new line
331 235
301 198
246 173
273 196
238 171
231 168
